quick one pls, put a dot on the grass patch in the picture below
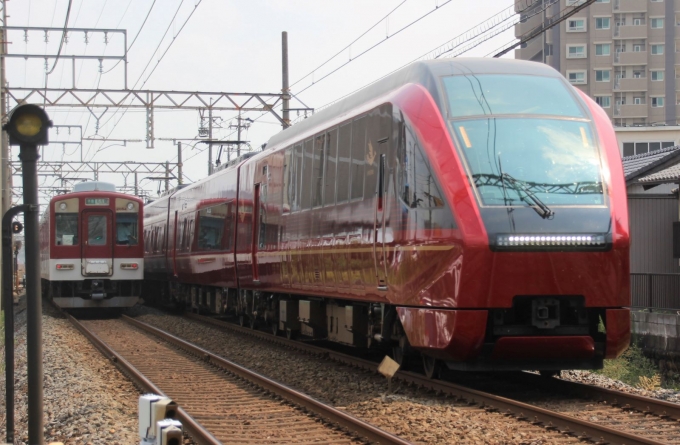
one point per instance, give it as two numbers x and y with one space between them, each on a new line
632 368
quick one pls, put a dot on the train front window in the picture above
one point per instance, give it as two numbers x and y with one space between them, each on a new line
66 229
126 228
496 94
96 230
555 159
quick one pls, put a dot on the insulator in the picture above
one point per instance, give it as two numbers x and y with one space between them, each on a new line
87 38
47 37
106 37
26 35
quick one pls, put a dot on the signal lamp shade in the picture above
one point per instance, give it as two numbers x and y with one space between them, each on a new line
28 125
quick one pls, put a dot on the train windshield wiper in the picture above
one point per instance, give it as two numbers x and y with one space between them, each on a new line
539 206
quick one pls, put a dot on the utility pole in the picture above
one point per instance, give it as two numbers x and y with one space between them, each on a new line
239 125
210 125
136 185
285 90
179 163
167 175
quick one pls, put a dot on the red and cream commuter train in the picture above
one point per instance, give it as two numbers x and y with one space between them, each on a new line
472 210
91 251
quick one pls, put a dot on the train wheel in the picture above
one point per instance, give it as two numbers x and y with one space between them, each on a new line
275 328
432 366
400 352
252 322
242 320
290 334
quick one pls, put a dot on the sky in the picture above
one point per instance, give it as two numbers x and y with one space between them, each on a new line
221 46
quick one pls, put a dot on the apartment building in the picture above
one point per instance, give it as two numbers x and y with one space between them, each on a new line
625 54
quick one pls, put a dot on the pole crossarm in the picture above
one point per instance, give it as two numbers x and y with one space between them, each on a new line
72 167
188 100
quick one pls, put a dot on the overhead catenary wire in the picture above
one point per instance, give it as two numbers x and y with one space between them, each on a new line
348 46
476 31
159 60
139 31
437 8
61 42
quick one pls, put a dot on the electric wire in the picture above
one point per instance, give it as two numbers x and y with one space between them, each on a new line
61 43
434 52
159 60
348 46
375 46
137 35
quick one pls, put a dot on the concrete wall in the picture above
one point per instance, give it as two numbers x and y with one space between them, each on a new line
656 333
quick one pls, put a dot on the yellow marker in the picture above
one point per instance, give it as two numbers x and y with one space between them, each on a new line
584 137
466 139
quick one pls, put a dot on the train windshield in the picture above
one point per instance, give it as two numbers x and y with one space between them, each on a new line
524 135
126 228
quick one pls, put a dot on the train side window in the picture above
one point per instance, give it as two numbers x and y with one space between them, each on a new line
287 175
182 235
298 177
419 187
163 240
306 186
317 170
96 230
190 235
66 229
344 144
358 157
127 228
211 223
329 174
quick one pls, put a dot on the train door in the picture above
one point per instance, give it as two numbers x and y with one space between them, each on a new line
379 228
97 248
175 244
259 225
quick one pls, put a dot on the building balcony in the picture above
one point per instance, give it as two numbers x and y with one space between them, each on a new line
636 84
630 58
630 32
624 111
629 6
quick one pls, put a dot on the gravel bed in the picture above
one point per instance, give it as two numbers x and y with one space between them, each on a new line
86 399
414 414
592 378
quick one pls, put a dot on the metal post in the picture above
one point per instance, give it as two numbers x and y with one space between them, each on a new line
238 145
210 160
285 89
29 157
179 163
8 307
136 185
649 291
167 175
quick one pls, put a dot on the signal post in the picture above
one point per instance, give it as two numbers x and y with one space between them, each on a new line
27 127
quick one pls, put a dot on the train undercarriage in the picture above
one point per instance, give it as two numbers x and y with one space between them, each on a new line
93 293
541 333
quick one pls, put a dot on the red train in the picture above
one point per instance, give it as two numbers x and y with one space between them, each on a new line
472 210
91 251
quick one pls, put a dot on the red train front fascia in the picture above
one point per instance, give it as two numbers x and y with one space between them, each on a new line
484 269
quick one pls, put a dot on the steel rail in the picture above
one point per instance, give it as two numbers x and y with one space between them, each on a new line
357 426
520 410
195 429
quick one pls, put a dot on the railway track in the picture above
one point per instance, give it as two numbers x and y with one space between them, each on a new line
220 401
591 413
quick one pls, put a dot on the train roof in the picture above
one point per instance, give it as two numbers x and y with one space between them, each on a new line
424 73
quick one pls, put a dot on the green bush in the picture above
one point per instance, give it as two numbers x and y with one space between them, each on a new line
630 367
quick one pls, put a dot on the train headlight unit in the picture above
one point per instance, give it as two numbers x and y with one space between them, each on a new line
547 240
130 206
28 124
63 206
